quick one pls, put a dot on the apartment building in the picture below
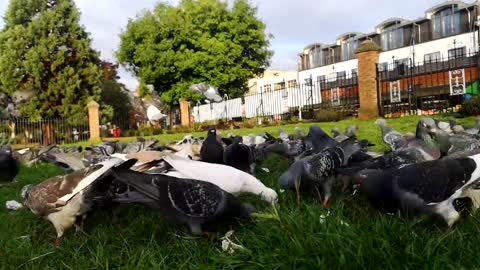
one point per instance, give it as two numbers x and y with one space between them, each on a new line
447 30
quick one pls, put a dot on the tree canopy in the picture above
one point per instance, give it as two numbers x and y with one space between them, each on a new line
114 97
173 47
44 49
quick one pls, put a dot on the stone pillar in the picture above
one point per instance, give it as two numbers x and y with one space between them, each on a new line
94 120
367 55
185 112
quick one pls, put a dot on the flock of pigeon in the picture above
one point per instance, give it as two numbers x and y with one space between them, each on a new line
196 181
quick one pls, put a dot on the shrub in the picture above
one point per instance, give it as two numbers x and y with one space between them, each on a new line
470 107
329 115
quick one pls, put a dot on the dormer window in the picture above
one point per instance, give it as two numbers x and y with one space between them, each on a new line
446 22
392 37
348 48
317 56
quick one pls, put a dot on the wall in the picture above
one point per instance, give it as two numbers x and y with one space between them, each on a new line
271 77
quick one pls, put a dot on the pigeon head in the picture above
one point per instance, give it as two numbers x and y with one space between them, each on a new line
269 195
316 131
380 122
212 131
24 193
294 174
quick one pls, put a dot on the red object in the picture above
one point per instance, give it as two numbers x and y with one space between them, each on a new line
117 132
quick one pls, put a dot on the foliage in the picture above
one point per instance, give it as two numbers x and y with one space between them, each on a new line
173 47
44 49
143 90
470 107
328 115
114 98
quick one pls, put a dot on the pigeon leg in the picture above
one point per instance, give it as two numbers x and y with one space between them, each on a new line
57 242
327 190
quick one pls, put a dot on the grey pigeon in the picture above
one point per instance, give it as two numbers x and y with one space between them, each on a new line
317 140
425 188
390 136
318 171
190 202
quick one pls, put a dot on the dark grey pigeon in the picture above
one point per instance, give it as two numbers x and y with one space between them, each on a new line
8 165
239 156
390 136
455 143
317 140
212 150
425 188
318 171
191 202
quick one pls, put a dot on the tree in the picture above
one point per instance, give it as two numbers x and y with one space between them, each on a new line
114 98
173 47
44 49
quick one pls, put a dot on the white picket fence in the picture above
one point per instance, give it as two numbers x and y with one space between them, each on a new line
261 104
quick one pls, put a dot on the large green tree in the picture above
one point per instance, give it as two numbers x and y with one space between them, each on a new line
44 49
173 47
114 97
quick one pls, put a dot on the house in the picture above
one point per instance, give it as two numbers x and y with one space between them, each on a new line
446 31
272 80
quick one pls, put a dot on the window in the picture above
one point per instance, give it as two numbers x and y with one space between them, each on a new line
292 84
348 48
267 87
341 75
446 22
403 61
457 52
392 37
279 86
383 66
317 56
321 78
354 72
432 57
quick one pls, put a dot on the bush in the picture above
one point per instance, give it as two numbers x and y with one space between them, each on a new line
328 115
470 107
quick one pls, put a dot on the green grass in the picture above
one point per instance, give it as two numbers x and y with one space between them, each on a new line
141 239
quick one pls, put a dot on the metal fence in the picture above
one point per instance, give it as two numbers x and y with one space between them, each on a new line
25 131
429 87
301 100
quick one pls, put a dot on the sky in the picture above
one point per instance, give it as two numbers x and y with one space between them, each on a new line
293 23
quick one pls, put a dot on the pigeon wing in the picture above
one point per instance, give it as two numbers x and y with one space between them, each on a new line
195 198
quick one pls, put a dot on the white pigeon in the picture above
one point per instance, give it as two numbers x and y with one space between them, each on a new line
154 114
227 178
187 150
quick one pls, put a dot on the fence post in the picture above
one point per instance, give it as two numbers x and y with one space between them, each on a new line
93 120
368 54
185 112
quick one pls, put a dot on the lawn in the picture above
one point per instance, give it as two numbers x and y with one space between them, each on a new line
350 235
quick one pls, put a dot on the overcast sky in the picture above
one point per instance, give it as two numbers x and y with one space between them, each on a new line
294 23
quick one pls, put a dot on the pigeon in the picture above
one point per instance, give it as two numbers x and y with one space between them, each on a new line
443 125
456 143
339 137
319 170
67 161
208 91
154 114
194 203
8 165
284 136
390 136
63 199
425 188
227 178
239 156
317 140
212 149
